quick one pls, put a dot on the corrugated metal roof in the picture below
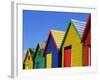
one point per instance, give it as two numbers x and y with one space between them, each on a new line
80 26
42 44
58 36
32 51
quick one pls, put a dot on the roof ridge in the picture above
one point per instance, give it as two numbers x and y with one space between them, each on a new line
76 20
56 30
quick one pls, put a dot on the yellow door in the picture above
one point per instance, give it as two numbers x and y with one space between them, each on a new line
48 60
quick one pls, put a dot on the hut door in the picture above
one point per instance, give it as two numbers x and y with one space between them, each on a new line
37 65
48 60
87 55
67 56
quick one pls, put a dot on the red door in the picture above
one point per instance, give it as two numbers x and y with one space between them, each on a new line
87 55
67 56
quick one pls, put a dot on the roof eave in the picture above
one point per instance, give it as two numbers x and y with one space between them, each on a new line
87 27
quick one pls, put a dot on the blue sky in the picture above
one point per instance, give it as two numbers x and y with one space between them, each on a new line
37 24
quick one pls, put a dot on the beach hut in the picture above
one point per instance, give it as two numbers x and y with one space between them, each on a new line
28 60
51 52
71 47
38 57
86 39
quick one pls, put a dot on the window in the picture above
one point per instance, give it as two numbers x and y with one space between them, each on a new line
28 57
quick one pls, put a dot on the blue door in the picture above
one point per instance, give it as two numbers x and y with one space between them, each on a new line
37 65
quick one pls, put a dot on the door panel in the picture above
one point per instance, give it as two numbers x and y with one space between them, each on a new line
87 55
37 65
49 60
67 57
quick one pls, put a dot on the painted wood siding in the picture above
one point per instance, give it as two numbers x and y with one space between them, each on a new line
28 64
72 39
39 59
51 47
87 50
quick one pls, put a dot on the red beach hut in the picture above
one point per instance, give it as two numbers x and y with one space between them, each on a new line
86 39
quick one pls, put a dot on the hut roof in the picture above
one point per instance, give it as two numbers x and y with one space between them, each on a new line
87 27
42 44
32 52
80 25
58 36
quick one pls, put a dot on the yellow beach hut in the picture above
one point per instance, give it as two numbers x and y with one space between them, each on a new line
71 47
28 60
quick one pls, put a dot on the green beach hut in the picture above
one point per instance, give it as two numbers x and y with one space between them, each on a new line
38 58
